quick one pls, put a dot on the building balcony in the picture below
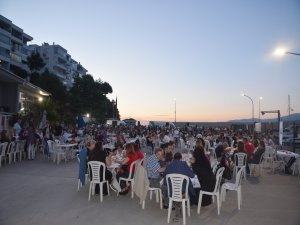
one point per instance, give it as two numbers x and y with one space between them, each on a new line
4 45
17 39
7 33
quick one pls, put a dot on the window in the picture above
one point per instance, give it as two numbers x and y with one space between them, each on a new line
4 39
4 52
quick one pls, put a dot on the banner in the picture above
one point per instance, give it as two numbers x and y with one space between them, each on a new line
280 132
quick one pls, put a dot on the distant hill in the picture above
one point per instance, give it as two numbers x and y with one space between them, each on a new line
293 118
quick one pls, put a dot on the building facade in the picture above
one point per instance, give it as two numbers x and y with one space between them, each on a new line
14 48
59 62
16 95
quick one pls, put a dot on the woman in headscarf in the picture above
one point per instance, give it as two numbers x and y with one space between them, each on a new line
201 167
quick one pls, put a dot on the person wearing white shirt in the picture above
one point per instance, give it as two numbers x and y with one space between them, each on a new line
17 128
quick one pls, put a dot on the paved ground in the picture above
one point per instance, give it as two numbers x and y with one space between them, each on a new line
41 193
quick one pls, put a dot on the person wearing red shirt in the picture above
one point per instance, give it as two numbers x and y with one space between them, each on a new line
131 156
137 148
249 147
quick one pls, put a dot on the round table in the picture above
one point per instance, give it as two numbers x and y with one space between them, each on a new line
66 148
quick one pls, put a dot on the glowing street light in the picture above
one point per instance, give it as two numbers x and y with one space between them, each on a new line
87 115
282 51
244 95
175 110
40 99
259 99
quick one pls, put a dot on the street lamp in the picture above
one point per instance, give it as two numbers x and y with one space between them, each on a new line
244 95
259 99
87 115
175 110
283 51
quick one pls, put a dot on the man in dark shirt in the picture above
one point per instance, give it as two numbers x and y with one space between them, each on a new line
179 167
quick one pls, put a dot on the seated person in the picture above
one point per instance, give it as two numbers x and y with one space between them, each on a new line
131 156
154 168
255 158
98 154
221 149
137 148
179 167
169 152
201 167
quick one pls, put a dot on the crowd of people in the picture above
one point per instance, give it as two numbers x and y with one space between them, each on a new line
167 159
165 145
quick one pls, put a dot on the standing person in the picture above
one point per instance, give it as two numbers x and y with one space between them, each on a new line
17 128
58 130
98 154
201 167
47 134
131 156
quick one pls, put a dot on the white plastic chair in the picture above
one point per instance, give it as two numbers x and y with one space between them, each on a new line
51 150
214 167
296 166
175 192
94 168
141 162
158 194
30 152
237 186
3 148
183 146
277 162
268 155
60 153
130 178
213 152
10 152
240 160
259 165
20 149
17 151
216 191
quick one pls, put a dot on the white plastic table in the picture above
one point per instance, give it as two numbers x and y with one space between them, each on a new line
66 148
286 155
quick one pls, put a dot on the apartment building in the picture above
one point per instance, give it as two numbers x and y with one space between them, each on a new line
13 46
59 61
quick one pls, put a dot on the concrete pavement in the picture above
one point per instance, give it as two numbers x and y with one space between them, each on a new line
39 192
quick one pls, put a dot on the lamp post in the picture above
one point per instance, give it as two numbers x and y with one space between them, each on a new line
259 99
113 109
244 95
283 51
175 110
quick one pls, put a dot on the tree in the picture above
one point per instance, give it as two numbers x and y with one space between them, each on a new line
51 83
107 89
89 96
35 62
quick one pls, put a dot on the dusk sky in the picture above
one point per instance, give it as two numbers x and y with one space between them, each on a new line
203 53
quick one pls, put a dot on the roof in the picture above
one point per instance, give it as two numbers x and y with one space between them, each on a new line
9 77
130 119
